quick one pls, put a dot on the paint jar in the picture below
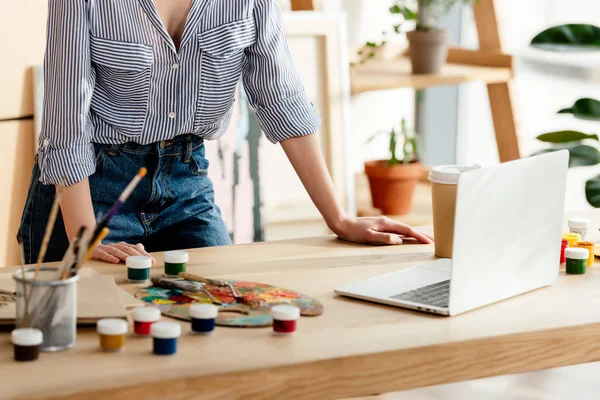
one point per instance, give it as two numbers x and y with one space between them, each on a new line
590 248
143 318
27 343
563 246
175 262
203 318
580 226
138 269
576 260
572 238
165 335
112 333
285 319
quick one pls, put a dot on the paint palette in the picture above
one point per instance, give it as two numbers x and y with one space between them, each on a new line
250 310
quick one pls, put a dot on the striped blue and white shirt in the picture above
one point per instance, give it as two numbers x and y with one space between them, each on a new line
112 75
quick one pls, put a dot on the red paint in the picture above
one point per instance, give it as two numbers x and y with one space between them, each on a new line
181 299
563 247
284 326
142 328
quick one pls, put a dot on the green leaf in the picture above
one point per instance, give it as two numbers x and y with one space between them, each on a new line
584 109
565 137
407 13
592 191
371 44
568 37
397 28
580 155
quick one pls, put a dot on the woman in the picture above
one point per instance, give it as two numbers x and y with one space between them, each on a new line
132 83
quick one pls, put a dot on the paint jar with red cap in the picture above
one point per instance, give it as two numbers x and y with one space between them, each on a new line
143 318
285 318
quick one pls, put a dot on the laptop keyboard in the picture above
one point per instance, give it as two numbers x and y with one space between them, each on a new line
433 295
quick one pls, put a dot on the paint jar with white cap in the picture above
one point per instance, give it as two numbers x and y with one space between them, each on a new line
581 226
175 262
27 343
285 318
138 269
576 260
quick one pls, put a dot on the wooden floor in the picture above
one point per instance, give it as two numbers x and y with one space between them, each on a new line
576 382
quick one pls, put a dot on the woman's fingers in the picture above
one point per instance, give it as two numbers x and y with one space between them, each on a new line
389 225
101 254
128 249
140 247
383 238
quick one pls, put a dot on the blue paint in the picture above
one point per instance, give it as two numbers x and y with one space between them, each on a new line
165 347
203 326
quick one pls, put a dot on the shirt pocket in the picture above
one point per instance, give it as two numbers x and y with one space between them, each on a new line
222 52
122 87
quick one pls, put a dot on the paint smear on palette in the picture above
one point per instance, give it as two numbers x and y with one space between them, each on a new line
252 311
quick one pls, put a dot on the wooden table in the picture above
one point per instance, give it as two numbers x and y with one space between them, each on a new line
356 348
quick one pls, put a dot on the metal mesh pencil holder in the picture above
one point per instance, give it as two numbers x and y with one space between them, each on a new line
52 307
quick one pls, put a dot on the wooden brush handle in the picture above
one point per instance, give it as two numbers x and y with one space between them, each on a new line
184 286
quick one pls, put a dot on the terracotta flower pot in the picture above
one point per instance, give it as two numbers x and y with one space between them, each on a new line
428 50
393 187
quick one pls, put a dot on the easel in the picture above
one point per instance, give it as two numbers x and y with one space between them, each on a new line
488 64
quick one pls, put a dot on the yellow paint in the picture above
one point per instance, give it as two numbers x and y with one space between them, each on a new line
112 342
161 301
590 247
572 238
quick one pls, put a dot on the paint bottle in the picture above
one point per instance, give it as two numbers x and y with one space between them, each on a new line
165 335
563 246
590 247
143 318
576 260
138 269
112 333
175 262
204 316
572 238
580 226
285 319
27 342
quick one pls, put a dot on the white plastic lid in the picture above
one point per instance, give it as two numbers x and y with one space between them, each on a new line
448 174
580 223
577 253
112 326
176 257
165 330
146 314
27 337
204 311
138 262
285 312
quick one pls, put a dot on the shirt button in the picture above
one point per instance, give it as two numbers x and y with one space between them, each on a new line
46 142
172 114
175 66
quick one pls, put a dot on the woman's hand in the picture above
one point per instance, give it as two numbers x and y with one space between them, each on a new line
377 230
114 253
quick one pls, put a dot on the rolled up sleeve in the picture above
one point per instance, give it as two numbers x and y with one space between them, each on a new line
271 82
66 154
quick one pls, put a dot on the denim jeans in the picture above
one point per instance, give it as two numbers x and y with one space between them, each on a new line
172 208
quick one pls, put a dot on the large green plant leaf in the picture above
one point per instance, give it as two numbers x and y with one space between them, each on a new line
569 37
592 191
584 109
565 137
580 155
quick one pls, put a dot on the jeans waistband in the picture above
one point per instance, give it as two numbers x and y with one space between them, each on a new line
179 145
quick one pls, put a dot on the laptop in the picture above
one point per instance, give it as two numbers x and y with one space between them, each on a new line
507 234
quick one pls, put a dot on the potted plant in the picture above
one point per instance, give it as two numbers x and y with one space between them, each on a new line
393 181
567 38
428 45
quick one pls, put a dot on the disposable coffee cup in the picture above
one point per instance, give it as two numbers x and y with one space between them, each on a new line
444 182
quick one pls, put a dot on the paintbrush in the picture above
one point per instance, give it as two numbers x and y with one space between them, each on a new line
23 262
214 282
103 233
73 254
119 203
49 229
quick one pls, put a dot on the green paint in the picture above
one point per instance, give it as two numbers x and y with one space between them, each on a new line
576 267
138 275
174 269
